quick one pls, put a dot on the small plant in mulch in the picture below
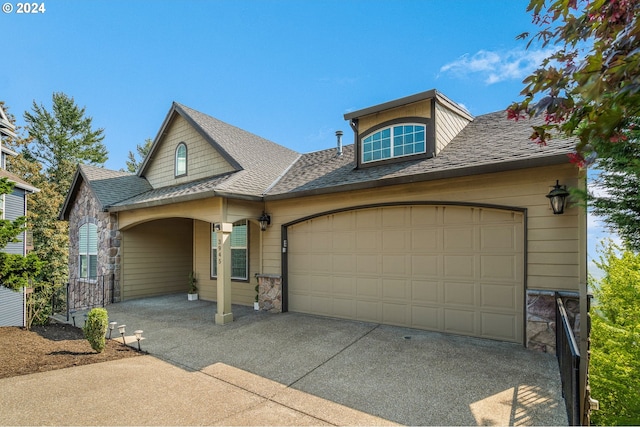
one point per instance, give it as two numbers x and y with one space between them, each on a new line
95 328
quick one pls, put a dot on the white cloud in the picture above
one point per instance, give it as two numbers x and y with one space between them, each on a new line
495 67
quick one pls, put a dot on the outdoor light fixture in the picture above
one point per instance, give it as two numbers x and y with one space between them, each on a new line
121 329
73 316
557 197
138 335
112 326
264 220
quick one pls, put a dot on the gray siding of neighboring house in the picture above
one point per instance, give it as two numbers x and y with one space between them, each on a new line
11 307
14 208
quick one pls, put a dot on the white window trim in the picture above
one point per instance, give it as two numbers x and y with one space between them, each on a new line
246 249
186 156
88 254
393 156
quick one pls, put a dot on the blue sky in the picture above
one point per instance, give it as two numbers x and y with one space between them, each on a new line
284 70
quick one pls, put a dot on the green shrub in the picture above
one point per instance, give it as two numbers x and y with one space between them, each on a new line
95 328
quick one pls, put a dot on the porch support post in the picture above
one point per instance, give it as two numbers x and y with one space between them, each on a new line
223 234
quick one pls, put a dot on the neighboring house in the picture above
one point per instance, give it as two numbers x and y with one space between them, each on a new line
13 206
432 219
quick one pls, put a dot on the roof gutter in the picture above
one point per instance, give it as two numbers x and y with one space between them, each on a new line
182 199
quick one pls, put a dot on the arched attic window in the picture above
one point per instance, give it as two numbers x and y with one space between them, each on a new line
394 141
181 160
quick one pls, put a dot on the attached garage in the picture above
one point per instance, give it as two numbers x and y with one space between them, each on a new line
450 268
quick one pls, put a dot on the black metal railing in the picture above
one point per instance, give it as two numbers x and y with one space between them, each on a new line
84 294
568 354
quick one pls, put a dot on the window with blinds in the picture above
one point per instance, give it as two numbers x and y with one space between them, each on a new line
88 251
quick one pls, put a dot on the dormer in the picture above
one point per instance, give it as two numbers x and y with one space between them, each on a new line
415 127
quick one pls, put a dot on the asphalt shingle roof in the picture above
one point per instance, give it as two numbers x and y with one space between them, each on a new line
111 186
490 143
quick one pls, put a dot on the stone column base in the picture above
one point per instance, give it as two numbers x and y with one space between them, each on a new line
270 292
541 318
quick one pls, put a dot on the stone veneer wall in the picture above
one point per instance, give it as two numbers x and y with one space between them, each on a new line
86 209
270 292
541 318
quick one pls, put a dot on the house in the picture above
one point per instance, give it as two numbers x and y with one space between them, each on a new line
14 205
432 219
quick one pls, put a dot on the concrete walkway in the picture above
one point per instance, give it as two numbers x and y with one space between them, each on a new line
266 369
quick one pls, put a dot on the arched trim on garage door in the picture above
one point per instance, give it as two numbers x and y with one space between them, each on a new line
286 231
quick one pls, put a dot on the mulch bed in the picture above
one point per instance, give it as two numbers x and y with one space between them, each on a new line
55 346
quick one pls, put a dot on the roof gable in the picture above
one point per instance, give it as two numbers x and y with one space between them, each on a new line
107 186
242 150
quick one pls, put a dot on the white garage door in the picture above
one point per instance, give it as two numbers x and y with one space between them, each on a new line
454 269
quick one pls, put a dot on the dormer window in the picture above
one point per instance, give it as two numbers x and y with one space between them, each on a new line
393 142
181 159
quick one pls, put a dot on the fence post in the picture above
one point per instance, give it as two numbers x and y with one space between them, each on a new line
67 299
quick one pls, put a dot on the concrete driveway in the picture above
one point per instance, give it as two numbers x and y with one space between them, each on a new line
400 375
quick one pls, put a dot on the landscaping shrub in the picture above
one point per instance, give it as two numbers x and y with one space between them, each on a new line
95 328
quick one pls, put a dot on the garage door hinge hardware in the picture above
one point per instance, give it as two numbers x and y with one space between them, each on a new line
284 246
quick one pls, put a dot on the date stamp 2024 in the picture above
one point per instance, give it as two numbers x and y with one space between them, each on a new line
24 8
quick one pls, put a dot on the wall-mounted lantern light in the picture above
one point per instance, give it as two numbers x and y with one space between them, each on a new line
557 197
265 221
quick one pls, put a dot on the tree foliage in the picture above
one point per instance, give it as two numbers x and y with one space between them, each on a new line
589 89
16 271
61 138
135 160
615 339
55 142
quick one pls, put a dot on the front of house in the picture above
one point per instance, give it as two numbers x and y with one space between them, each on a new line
432 219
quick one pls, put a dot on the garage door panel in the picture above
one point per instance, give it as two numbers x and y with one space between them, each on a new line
453 269
394 241
459 239
460 321
457 215
344 242
459 266
396 289
368 264
343 264
424 216
426 266
498 267
423 291
460 293
396 265
396 314
427 317
498 297
320 262
344 308
343 286
368 241
369 311
498 238
319 304
499 326
425 240
368 287
396 217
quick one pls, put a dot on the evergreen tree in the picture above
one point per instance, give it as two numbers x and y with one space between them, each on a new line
135 160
